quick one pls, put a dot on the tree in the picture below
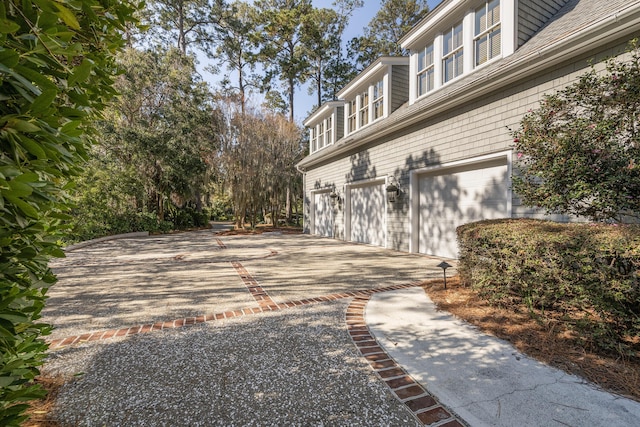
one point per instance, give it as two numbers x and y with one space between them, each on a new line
56 69
163 126
235 47
280 35
188 22
579 152
381 37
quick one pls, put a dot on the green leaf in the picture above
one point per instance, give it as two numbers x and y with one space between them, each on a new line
33 147
25 207
18 189
81 72
9 57
23 126
43 101
7 26
67 16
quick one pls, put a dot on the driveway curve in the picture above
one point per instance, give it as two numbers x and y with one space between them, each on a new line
201 329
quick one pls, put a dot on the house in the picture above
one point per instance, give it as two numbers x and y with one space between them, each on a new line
416 146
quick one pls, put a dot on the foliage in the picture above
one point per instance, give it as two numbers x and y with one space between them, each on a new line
589 274
382 36
579 152
280 33
161 132
55 75
259 152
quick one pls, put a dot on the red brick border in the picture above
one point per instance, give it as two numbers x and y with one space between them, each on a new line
188 321
421 403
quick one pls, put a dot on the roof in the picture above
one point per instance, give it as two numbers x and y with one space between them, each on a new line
581 26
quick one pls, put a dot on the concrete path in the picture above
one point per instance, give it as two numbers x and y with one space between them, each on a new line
482 379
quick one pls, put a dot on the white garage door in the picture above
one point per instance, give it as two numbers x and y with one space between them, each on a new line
322 215
452 197
367 214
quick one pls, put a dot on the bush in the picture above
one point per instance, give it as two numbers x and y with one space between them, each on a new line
586 273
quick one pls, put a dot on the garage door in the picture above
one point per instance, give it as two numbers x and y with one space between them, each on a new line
367 214
322 215
452 197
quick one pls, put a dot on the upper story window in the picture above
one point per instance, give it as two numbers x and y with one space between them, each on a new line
487 38
328 131
351 120
321 135
426 70
313 137
364 108
452 53
378 99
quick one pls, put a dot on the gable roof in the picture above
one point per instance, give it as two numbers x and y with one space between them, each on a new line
578 28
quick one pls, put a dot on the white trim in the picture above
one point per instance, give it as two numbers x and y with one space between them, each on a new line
414 190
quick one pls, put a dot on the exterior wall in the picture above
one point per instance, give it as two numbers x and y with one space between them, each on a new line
399 86
476 128
338 123
533 14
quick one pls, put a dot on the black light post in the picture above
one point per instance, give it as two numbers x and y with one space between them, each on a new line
444 265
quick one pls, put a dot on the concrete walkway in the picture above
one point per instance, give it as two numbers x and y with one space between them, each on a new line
203 329
482 379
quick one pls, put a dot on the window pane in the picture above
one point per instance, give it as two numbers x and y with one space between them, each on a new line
481 21
459 64
457 36
447 43
429 55
448 69
481 50
431 77
422 60
494 43
494 13
422 84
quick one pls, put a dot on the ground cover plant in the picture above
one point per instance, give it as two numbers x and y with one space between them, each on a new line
585 276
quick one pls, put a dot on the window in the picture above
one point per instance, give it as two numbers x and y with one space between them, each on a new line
452 53
426 72
351 119
328 131
364 108
321 135
312 138
487 38
378 99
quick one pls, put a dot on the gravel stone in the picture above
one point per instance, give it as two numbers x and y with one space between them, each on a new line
295 367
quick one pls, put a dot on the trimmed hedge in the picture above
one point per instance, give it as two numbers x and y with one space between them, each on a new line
586 273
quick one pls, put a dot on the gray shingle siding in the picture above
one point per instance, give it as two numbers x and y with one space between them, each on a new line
339 122
533 15
399 86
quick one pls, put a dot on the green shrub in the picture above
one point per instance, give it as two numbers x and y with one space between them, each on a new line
56 69
588 273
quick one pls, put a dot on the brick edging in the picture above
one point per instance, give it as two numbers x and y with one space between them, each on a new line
423 405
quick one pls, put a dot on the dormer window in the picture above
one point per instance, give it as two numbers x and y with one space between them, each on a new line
328 131
364 108
426 71
378 100
452 53
487 37
323 131
353 111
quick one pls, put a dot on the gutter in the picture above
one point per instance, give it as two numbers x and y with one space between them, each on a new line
608 29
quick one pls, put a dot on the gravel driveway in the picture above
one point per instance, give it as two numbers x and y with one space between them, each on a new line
291 365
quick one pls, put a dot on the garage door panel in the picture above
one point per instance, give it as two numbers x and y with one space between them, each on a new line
367 207
455 197
323 215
